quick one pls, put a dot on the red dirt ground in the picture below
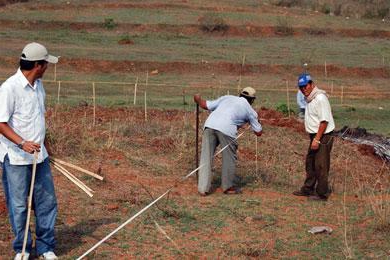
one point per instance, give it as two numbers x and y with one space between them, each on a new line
126 183
275 118
108 66
248 30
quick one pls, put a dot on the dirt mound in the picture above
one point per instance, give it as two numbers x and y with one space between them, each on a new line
275 118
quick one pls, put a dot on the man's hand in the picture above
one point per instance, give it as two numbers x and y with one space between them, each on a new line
315 144
201 102
31 147
197 98
259 133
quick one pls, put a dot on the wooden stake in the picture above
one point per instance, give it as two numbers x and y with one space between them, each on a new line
242 66
94 103
73 179
220 87
32 183
256 140
331 90
184 98
197 139
58 166
342 94
146 87
326 71
55 71
58 92
288 99
146 113
135 90
77 168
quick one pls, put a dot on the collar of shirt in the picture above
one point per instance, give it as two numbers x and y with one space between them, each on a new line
25 81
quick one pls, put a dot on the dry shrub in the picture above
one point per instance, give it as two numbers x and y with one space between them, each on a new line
284 27
212 22
377 193
352 8
5 2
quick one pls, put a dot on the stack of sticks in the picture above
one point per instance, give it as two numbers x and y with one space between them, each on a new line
59 165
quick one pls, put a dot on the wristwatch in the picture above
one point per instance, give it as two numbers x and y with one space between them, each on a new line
20 145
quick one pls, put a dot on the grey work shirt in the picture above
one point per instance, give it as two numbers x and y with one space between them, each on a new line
230 112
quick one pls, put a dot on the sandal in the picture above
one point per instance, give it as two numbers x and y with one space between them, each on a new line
233 190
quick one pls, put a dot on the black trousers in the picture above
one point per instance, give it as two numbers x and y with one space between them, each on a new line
317 167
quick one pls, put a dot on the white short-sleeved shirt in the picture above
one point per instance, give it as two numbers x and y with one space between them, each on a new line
318 110
230 112
22 106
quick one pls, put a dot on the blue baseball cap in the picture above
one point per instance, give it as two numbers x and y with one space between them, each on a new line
303 80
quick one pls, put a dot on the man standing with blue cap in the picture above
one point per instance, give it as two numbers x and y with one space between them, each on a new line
22 133
319 124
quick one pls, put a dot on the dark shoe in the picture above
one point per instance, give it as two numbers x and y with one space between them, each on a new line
233 190
318 198
301 193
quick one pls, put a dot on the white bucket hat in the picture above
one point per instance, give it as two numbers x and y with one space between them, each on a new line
248 92
35 51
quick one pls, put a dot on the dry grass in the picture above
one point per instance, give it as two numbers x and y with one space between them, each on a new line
140 160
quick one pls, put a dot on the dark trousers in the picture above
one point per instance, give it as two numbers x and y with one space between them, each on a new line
317 167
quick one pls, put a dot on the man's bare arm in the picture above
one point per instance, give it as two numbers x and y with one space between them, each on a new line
10 134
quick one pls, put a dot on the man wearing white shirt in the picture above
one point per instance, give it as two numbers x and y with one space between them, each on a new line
319 124
22 132
228 114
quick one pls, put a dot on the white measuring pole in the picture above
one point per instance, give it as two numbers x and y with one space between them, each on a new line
148 206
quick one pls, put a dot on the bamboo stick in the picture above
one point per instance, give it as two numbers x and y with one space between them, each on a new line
146 110
162 231
135 91
256 140
34 169
77 168
58 92
326 71
288 99
72 176
66 174
148 206
94 102
124 224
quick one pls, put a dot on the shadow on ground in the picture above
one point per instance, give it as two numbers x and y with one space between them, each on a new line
70 237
